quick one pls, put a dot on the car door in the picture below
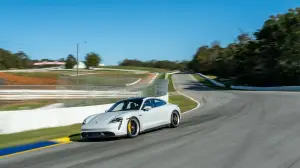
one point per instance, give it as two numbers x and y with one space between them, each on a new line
163 116
149 118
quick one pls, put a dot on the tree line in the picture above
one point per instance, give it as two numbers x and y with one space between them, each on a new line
268 57
10 60
163 64
20 60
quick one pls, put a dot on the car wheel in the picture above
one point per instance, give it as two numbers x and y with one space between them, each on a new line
175 119
133 128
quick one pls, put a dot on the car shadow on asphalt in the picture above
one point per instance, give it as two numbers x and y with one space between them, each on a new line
77 137
197 86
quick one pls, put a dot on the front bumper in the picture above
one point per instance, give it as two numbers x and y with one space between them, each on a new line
102 131
97 134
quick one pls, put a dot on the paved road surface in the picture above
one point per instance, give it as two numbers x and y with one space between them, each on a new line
232 129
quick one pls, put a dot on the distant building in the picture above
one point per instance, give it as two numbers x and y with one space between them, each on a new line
49 64
81 66
101 65
55 63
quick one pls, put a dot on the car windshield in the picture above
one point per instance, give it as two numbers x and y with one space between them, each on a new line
125 105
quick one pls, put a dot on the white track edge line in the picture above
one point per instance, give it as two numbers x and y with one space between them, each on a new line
133 83
154 77
198 103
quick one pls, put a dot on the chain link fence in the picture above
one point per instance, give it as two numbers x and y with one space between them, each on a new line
158 88
93 82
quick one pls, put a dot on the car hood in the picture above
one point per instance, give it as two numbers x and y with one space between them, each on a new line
106 117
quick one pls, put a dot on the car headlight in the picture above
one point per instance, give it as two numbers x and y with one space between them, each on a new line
118 119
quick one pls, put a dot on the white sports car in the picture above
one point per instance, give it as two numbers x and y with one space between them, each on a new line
130 117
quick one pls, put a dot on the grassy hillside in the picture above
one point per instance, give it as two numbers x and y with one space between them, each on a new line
137 68
69 78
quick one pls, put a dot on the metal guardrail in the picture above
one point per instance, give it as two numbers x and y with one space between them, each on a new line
58 92
62 87
20 94
56 97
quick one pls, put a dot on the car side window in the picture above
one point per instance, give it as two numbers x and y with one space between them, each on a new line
148 103
159 103
132 106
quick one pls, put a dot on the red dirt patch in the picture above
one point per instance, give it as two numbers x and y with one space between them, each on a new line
10 79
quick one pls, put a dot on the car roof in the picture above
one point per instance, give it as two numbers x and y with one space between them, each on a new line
143 98
134 98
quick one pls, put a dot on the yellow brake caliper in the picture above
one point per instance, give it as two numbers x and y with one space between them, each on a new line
129 127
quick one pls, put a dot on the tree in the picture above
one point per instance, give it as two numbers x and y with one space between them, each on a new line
70 62
270 57
10 60
134 62
92 60
61 59
163 64
22 60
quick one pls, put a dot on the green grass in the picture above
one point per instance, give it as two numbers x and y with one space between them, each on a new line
183 102
206 82
137 68
106 79
211 76
171 86
23 105
100 77
226 81
161 76
33 104
87 102
7 140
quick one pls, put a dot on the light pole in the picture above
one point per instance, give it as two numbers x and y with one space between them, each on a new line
77 51
77 48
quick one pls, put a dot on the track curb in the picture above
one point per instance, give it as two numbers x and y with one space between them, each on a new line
20 149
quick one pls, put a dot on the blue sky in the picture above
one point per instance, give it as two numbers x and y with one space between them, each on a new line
118 29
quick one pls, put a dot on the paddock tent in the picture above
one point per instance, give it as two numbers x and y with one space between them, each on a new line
81 65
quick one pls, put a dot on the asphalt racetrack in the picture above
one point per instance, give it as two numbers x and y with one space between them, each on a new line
231 129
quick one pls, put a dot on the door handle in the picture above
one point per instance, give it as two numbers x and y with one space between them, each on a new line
140 115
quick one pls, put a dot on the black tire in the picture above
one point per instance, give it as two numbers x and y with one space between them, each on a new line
133 128
175 119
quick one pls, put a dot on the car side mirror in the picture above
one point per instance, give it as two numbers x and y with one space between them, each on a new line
147 108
